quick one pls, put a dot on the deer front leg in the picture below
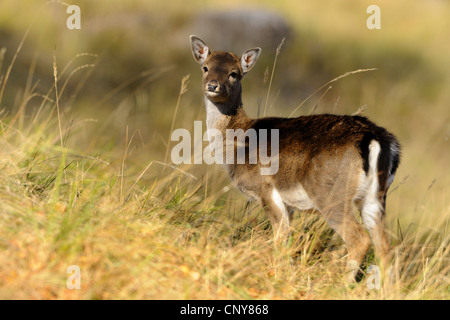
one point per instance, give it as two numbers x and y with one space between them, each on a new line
278 215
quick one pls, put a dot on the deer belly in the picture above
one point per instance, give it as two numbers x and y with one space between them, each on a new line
297 197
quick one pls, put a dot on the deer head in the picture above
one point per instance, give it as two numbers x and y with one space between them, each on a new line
222 74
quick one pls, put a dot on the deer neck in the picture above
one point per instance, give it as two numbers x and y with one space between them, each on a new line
224 116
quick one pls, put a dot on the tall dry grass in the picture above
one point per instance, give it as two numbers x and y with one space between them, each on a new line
174 237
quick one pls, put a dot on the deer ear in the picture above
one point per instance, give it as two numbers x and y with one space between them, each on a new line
249 58
200 50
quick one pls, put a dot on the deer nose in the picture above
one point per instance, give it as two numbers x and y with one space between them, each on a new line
212 86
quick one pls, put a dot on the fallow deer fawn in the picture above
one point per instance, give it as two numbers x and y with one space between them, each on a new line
327 163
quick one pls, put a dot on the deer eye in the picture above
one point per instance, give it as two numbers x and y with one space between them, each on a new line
205 69
233 75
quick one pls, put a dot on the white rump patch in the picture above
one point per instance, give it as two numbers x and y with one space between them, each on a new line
371 207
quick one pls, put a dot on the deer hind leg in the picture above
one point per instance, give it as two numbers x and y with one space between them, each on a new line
373 217
277 213
340 217
336 204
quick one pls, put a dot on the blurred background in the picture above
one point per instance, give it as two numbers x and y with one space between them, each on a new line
121 73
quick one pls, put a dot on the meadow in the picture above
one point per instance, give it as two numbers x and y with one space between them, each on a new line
86 177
